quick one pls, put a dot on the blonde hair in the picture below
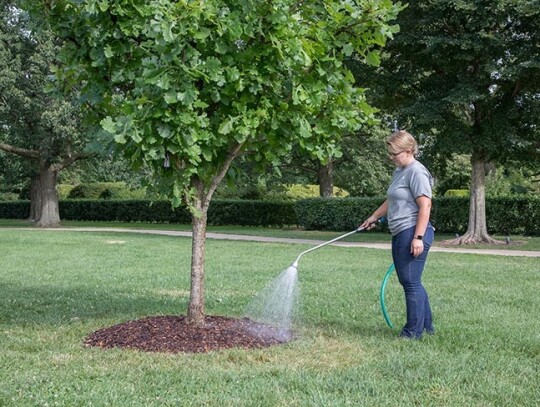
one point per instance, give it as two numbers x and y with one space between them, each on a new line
402 141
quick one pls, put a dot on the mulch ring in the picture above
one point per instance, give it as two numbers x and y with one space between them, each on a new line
172 334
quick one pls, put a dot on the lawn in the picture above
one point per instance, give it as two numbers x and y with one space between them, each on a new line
56 288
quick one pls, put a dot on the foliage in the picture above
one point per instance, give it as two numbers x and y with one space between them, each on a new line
364 168
63 190
51 124
465 75
452 172
457 192
12 172
108 167
521 215
36 122
335 214
105 190
274 192
221 212
449 214
510 181
14 209
298 191
186 83
9 196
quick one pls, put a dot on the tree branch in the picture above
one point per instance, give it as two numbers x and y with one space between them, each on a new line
23 152
222 171
517 89
67 161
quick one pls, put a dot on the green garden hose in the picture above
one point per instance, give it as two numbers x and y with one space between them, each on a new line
383 287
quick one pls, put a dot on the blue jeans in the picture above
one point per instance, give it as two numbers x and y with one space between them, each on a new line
409 271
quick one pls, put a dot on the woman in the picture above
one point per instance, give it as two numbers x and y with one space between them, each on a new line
407 208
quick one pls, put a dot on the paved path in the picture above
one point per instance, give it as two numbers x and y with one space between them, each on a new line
225 236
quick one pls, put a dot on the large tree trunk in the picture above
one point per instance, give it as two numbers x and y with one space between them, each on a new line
35 199
477 228
50 209
325 175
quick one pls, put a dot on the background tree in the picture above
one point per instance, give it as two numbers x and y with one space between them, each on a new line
34 123
187 86
364 168
464 76
361 168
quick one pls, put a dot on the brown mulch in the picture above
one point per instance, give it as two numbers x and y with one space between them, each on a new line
172 334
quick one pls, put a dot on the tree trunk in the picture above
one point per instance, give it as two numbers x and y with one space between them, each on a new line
50 209
199 202
325 175
196 301
477 228
35 199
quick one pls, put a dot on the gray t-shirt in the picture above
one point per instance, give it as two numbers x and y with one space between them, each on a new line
407 184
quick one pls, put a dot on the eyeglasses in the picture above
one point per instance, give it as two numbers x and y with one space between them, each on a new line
395 154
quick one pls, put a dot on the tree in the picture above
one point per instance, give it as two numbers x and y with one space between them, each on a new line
188 86
361 168
34 123
465 77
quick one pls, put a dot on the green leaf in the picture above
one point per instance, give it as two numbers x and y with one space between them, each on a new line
373 58
103 5
227 125
108 51
108 125
207 153
171 97
348 49
166 28
164 131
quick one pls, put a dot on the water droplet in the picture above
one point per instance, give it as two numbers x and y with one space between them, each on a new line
275 305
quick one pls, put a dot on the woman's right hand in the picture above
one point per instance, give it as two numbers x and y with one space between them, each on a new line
369 223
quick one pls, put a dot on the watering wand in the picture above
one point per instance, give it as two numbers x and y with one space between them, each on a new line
358 229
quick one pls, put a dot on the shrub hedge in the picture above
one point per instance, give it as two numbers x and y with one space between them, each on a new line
103 190
221 212
512 215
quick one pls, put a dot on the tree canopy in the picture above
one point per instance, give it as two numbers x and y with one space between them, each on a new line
35 122
464 76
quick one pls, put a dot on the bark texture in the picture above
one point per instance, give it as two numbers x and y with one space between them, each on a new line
50 208
325 175
196 301
477 228
35 200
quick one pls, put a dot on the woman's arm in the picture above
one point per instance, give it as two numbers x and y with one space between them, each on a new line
424 210
379 212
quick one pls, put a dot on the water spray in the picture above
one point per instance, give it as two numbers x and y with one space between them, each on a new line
274 306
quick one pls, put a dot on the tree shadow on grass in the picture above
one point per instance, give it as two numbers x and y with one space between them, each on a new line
24 304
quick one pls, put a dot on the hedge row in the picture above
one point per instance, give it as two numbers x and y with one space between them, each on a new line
516 216
505 216
221 212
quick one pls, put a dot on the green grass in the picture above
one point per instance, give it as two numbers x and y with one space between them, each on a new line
57 287
373 236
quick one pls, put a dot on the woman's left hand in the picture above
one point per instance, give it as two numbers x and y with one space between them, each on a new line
417 247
